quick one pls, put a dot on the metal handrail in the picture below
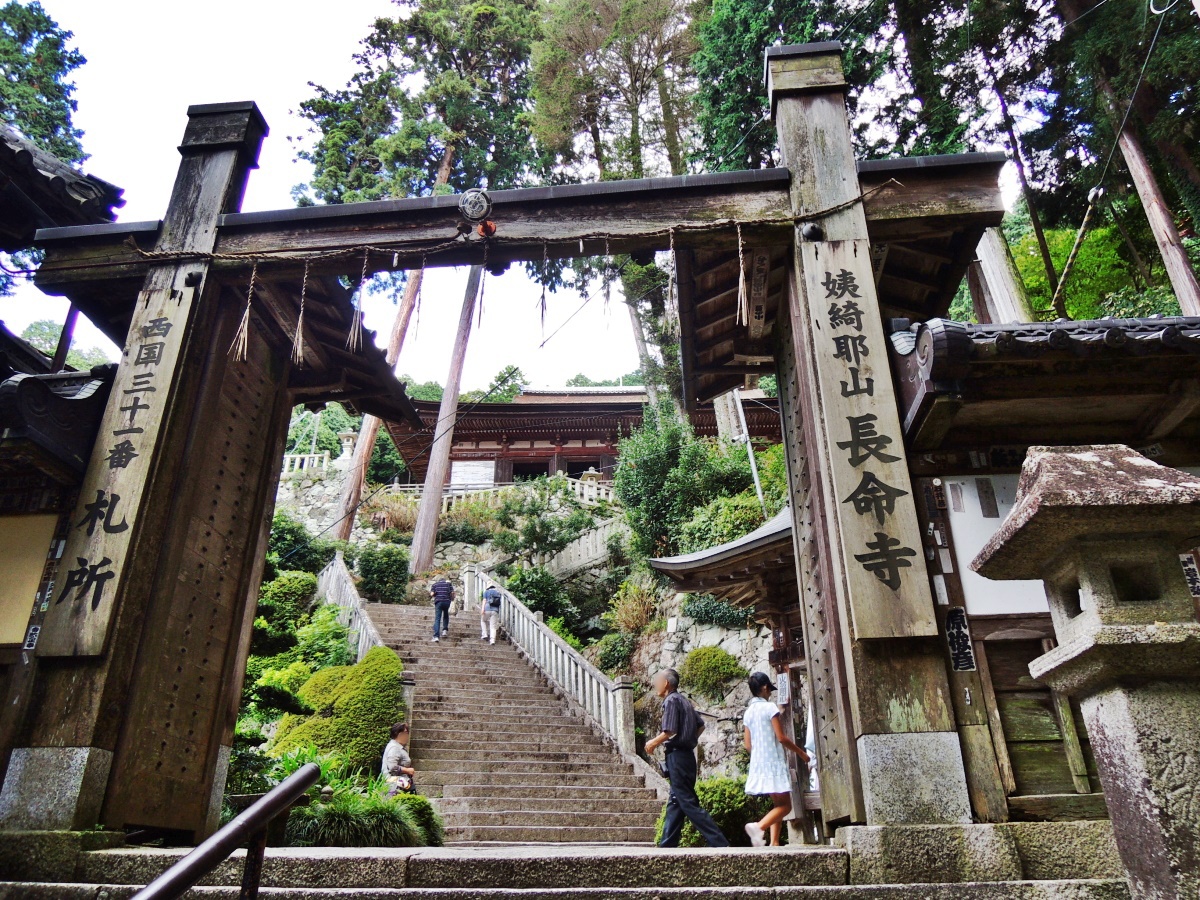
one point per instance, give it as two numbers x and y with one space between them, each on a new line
249 828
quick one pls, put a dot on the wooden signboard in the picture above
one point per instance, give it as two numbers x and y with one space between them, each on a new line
887 588
106 516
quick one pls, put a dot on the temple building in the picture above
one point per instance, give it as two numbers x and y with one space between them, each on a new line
546 431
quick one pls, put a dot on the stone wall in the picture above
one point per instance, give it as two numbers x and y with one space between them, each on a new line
721 742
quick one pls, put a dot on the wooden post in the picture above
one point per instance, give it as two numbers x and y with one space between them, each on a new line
996 286
867 539
425 533
113 614
64 340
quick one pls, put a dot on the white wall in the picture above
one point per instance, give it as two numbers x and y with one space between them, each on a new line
472 472
971 529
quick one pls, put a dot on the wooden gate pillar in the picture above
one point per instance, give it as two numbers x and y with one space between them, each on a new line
144 631
886 730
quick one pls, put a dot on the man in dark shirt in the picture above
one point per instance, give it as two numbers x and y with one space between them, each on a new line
681 727
442 593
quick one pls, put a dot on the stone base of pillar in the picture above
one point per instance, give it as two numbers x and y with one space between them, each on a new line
1147 743
914 778
957 854
54 788
217 796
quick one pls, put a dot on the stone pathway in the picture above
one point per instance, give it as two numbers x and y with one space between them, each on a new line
498 751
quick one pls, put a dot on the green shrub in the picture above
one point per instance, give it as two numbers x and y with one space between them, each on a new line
354 820
426 817
384 571
541 592
730 806
353 724
287 598
324 641
295 548
290 678
720 521
772 474
396 536
559 627
317 692
615 650
464 533
249 767
707 671
708 610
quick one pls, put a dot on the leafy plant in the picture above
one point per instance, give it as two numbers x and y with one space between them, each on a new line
353 723
720 521
632 608
730 806
464 533
540 518
249 767
287 598
384 571
295 548
323 641
708 610
615 651
707 671
559 627
354 820
541 592
425 816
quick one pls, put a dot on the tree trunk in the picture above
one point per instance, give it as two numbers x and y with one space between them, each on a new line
597 139
639 338
1138 261
1026 192
425 534
940 118
671 127
1175 259
996 287
635 140
368 432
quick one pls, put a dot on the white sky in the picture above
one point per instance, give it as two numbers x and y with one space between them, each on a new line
148 60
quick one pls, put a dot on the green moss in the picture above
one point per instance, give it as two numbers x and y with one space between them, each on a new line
353 724
731 808
708 670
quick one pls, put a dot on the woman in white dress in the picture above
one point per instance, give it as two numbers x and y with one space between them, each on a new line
768 774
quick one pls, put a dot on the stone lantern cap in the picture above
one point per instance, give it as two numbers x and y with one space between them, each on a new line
1089 492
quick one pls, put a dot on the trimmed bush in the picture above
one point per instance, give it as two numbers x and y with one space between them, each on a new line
317 692
708 610
354 820
353 724
425 816
729 805
707 671
615 650
384 572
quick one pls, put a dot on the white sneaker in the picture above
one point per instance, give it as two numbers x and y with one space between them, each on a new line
435 640
757 835
491 642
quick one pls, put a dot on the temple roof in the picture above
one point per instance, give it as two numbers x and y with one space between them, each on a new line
970 389
39 190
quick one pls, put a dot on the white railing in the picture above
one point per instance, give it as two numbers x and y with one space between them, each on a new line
586 491
608 704
587 550
296 465
335 586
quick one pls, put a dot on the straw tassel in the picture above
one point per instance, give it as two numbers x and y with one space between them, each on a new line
354 338
298 343
743 300
241 339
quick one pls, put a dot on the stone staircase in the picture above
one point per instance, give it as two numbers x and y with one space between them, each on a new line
498 751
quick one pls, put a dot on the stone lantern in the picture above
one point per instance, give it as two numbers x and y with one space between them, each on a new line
348 439
1103 527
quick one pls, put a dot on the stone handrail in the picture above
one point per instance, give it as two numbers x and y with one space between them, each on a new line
296 465
335 585
606 703
589 549
586 491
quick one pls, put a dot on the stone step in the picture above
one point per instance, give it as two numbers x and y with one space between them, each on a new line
517 762
510 727
567 794
454 670
553 835
1044 890
439 693
524 765
484 711
472 779
554 817
512 802
519 748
